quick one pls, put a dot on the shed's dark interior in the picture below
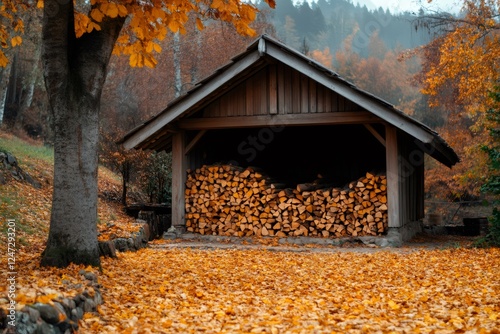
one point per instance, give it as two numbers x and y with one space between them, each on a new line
293 155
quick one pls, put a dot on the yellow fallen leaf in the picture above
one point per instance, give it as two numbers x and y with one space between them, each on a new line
46 298
393 305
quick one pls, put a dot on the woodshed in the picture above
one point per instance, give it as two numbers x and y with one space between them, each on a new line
296 123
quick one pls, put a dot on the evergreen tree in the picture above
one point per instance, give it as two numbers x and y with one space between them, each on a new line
492 184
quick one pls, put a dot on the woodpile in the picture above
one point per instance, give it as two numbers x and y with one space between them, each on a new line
232 201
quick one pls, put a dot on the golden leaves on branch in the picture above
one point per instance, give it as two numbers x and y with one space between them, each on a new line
87 23
3 60
199 24
467 59
15 41
149 22
83 24
96 14
11 25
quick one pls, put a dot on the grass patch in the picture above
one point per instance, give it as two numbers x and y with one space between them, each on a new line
9 207
19 200
25 151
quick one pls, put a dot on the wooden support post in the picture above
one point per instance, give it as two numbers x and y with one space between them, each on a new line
179 165
393 176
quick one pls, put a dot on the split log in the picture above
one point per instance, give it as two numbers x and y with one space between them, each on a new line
229 200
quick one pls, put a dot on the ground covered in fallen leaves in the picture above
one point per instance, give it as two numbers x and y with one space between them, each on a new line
29 209
234 291
454 289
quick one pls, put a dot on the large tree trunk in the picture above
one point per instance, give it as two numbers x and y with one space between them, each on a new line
74 71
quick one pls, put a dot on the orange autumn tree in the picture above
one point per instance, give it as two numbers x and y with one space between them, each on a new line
78 40
381 73
121 161
460 69
324 57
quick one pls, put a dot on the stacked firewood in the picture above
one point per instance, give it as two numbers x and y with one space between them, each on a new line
232 201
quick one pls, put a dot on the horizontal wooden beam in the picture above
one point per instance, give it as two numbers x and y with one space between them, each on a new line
357 117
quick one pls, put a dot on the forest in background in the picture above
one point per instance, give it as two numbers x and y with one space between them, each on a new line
372 49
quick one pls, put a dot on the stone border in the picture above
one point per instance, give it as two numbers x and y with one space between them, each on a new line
133 243
61 315
153 226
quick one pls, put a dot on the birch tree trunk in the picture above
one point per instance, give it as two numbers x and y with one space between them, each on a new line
12 94
177 64
74 72
4 80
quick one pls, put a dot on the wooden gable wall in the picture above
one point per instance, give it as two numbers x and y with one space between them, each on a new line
278 89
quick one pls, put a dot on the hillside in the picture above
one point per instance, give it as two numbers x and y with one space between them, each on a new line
30 207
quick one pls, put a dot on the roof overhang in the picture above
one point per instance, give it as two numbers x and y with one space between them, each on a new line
155 133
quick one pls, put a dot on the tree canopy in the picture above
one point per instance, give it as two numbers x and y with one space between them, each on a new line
149 22
460 70
468 55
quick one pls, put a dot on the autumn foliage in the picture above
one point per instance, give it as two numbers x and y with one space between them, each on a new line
11 26
467 58
149 23
381 74
460 69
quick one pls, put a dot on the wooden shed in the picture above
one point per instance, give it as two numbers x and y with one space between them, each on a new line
275 108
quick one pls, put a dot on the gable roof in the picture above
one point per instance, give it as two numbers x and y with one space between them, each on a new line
156 130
